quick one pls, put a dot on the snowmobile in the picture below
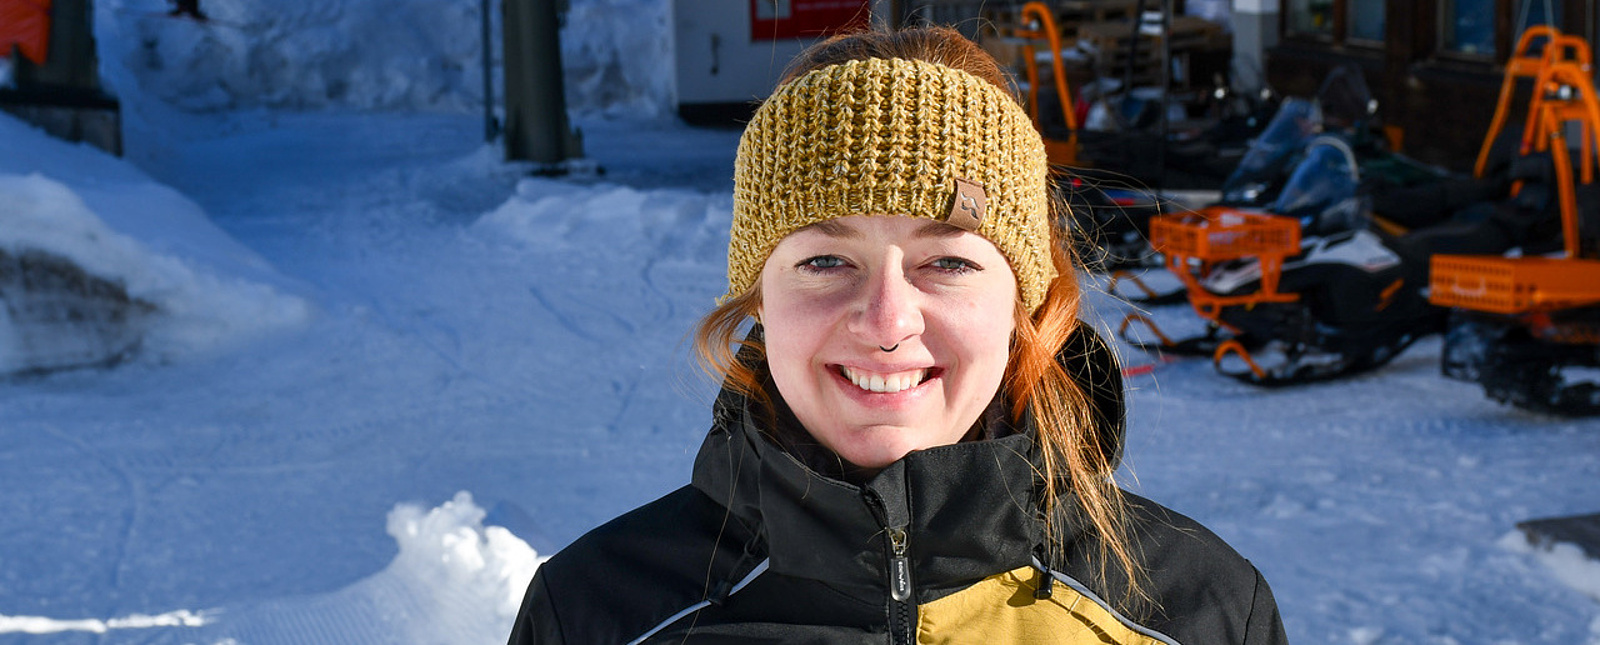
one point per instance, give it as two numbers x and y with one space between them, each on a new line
1280 280
1527 329
1344 110
1314 288
1311 288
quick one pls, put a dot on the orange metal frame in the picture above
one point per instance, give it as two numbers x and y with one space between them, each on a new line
1194 243
1039 23
1521 65
1563 94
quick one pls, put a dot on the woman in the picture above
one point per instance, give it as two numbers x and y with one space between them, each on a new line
916 439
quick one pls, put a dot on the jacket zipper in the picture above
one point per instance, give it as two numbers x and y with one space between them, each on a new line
901 609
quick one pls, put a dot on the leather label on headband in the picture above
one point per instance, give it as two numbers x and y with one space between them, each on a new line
967 209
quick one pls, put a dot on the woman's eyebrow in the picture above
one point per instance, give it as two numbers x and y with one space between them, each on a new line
937 228
832 228
931 228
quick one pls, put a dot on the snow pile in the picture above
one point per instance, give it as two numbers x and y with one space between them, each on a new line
455 581
460 581
617 58
199 311
375 54
106 217
303 53
665 224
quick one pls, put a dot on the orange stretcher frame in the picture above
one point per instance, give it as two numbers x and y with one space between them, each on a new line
1195 242
1522 65
1038 23
1564 94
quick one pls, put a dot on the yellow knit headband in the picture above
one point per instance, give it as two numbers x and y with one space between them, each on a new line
892 137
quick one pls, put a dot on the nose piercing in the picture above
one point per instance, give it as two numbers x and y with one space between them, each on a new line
889 349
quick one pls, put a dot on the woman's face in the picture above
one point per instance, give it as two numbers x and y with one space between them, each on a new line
835 294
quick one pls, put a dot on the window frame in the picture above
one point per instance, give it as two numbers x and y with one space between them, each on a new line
1338 36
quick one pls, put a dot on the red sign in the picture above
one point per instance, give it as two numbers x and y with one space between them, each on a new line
25 25
780 19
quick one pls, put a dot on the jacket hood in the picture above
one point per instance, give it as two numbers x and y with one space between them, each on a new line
819 527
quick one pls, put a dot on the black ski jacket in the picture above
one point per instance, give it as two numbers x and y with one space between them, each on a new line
943 546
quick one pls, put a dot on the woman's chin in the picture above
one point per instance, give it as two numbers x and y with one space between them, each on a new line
877 452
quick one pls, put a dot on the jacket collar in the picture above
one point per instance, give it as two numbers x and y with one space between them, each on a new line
822 528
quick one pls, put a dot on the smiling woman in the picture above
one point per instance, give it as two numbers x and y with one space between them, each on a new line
916 437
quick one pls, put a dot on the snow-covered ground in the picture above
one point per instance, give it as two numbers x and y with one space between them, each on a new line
389 373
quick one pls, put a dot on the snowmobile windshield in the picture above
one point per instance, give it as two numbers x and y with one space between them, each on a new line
1270 154
1321 183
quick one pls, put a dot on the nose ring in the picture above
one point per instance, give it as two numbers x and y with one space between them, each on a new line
889 349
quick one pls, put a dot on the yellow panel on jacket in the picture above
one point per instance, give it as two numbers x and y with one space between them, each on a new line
1002 609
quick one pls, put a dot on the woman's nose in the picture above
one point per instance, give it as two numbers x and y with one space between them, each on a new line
890 310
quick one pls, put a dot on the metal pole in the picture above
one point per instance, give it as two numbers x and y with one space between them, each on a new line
537 128
1133 51
1166 89
490 128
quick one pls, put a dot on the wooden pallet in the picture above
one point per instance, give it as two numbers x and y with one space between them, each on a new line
1185 33
1188 35
1070 15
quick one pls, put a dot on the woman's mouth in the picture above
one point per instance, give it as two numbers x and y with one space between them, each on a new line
887 383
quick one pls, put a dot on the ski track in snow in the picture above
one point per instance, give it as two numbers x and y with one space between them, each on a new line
525 339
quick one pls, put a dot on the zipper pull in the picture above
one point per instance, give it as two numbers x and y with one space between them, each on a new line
1046 586
1046 580
899 566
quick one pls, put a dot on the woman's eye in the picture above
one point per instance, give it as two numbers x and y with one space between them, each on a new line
822 262
954 265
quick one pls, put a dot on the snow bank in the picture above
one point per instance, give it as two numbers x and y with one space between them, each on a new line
301 53
198 311
74 202
374 54
42 625
455 581
475 575
618 60
653 225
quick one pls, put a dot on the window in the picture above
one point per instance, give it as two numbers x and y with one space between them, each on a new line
1338 21
1311 17
1366 20
1467 27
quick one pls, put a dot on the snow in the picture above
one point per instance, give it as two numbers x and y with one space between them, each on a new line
408 54
390 373
40 625
114 222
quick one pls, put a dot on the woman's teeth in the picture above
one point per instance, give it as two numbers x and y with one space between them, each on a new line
886 383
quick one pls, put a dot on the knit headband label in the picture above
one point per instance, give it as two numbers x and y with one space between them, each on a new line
966 210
